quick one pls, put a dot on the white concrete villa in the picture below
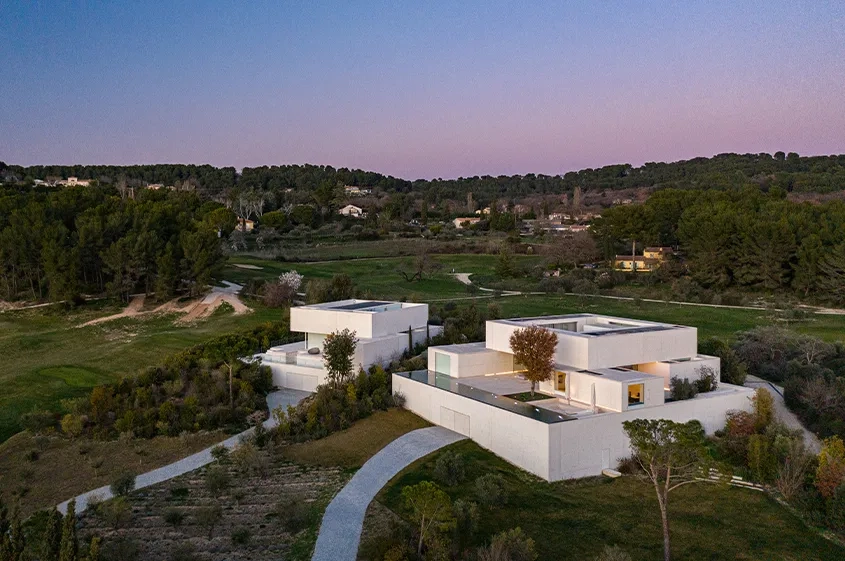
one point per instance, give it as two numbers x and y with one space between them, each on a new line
384 330
607 370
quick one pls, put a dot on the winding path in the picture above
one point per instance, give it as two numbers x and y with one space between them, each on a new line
789 418
281 398
340 531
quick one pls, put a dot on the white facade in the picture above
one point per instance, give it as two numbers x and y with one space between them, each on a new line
384 331
352 210
607 370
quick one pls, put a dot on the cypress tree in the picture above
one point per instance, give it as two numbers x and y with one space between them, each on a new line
69 549
94 549
53 536
17 541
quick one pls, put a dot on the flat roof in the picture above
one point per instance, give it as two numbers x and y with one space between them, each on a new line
611 325
357 305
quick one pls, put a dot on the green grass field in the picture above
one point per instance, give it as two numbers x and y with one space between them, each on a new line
574 519
380 278
46 357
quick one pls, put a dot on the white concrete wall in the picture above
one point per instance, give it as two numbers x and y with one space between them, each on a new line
296 377
578 448
481 363
608 350
520 440
314 320
395 321
685 370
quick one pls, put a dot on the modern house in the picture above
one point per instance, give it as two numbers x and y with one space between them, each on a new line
384 331
352 210
607 370
245 225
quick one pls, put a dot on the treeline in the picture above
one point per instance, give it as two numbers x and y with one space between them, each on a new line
743 238
789 172
58 244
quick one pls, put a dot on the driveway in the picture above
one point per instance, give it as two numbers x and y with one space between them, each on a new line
340 531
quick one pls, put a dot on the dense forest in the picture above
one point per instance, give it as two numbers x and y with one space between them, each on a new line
58 244
790 172
743 238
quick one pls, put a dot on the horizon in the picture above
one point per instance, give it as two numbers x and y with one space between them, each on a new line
440 91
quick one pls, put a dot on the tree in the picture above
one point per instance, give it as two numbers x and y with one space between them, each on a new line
338 352
228 352
733 370
534 348
670 455
69 546
208 517
94 549
51 546
431 510
831 471
72 425
123 485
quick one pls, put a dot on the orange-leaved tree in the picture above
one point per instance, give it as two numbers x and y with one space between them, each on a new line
534 348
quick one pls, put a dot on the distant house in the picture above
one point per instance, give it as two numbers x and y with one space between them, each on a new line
155 186
74 182
355 191
353 211
245 225
650 260
465 221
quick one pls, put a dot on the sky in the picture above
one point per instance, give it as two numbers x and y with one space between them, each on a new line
418 89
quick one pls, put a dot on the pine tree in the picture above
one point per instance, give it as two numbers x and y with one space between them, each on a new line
69 549
831 282
52 537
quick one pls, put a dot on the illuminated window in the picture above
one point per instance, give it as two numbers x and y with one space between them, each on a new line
561 381
636 394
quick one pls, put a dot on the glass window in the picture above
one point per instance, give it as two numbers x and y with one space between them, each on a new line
561 381
443 363
636 394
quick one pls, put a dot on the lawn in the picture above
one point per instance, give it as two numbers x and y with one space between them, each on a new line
352 447
574 519
46 357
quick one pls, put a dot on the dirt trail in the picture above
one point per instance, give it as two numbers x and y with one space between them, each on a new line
196 310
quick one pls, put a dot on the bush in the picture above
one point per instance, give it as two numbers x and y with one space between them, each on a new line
220 453
512 545
466 521
706 381
628 466
490 490
294 514
613 553
584 286
32 455
38 421
116 513
449 468
217 480
241 536
681 388
173 517
123 485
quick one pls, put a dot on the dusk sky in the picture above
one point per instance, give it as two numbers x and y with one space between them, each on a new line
419 89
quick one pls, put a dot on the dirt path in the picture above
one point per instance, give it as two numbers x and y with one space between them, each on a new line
131 310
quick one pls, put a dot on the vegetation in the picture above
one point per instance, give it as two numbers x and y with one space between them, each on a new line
572 516
534 348
670 455
90 240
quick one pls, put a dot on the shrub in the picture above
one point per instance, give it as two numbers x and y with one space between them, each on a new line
208 517
628 466
121 548
490 490
294 514
32 455
220 453
466 521
706 381
681 388
761 459
217 479
185 552
733 370
830 474
38 421
174 517
241 536
584 286
449 468
116 513
123 485
511 545
613 553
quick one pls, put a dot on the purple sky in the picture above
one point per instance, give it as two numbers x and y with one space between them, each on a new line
441 91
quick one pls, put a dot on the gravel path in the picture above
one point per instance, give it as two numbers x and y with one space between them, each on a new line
340 531
275 399
784 414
